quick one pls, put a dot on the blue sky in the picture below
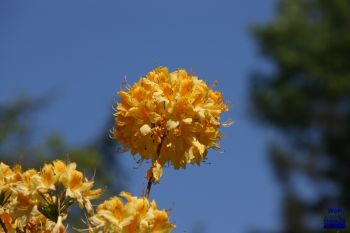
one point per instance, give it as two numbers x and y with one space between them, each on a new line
81 51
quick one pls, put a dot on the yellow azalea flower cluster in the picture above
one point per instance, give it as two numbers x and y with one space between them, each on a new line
136 215
38 201
169 117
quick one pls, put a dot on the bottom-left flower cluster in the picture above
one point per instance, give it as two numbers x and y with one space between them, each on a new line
38 202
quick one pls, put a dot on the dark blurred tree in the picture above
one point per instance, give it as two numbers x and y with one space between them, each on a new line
307 99
16 127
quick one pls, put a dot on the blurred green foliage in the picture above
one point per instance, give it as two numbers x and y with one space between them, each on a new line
307 99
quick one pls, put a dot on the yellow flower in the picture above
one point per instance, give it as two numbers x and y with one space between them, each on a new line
60 167
46 179
155 173
137 215
29 200
39 224
77 185
7 182
5 174
169 117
